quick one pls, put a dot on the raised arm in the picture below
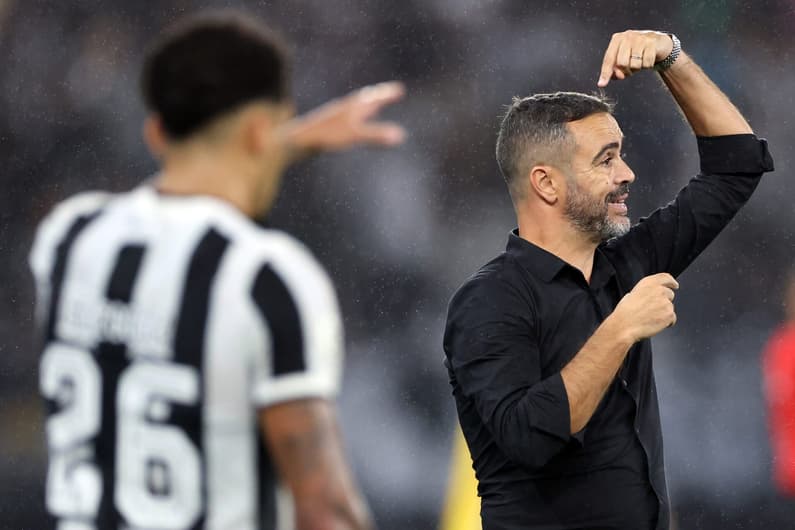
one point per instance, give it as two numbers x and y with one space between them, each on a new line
304 441
733 159
706 107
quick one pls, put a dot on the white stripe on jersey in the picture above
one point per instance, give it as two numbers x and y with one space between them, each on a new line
237 372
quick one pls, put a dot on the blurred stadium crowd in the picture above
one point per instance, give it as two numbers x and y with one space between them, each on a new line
399 230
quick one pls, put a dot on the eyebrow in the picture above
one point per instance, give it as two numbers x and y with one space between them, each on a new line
604 149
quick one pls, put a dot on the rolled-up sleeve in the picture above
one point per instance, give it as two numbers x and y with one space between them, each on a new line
492 351
672 237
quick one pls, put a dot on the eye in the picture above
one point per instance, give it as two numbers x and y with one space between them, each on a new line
607 162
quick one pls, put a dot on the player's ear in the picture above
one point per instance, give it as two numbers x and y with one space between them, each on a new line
262 121
155 136
544 184
256 129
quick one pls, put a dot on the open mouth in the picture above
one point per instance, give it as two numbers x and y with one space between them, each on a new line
617 203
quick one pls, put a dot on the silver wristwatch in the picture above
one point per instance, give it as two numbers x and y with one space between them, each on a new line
666 63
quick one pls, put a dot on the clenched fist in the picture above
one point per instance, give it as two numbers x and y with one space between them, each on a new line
648 308
631 51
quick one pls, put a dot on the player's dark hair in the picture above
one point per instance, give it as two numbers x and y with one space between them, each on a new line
535 127
210 64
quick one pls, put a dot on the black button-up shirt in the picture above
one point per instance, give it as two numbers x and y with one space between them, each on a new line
521 318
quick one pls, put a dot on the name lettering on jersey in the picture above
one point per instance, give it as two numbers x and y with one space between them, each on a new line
86 321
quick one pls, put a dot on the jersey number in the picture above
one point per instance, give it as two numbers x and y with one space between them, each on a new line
158 470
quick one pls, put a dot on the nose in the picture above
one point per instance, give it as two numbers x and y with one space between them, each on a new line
625 173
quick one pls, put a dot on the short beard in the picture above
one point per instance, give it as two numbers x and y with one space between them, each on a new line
590 216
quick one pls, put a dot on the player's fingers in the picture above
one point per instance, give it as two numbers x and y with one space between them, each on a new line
609 61
381 94
382 133
649 54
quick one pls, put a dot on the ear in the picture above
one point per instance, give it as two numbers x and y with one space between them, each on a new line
257 131
544 184
155 136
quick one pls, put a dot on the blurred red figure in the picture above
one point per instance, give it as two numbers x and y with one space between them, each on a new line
779 375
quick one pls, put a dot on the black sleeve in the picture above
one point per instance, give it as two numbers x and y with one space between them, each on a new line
673 236
492 349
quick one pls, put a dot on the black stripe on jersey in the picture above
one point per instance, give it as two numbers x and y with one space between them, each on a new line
189 337
190 332
124 272
59 270
112 360
280 312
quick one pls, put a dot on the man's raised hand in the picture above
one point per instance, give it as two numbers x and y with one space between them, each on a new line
631 51
347 122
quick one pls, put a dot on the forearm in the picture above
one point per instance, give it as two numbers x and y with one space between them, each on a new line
313 515
331 499
706 108
306 448
588 375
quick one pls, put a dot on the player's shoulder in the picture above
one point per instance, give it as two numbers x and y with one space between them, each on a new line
263 246
81 204
60 219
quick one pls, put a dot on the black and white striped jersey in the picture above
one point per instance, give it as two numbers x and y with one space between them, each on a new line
168 322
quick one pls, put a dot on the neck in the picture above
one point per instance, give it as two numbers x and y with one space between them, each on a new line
199 170
557 236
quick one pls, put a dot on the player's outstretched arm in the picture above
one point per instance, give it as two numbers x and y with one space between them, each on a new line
304 441
706 107
346 122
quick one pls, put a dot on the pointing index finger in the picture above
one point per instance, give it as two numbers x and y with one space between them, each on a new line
609 61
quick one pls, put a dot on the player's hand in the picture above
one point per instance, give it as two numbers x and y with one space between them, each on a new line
347 122
648 308
632 51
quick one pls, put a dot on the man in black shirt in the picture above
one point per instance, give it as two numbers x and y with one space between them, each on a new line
548 345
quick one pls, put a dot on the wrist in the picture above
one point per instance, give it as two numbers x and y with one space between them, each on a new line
671 49
619 331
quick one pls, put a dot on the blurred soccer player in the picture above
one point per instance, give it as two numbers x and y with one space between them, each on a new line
191 358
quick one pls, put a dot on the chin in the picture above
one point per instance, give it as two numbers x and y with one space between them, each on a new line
616 227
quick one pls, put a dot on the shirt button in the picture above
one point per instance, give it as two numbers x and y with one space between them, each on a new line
624 382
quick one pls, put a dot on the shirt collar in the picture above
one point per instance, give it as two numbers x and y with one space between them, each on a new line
535 259
546 266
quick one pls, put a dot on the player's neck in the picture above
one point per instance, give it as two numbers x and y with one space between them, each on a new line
212 174
558 237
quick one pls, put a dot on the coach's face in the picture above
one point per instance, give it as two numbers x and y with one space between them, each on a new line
597 185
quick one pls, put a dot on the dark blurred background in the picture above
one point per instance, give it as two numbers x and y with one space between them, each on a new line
400 230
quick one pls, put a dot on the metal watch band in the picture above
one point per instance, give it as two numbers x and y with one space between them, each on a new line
666 63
